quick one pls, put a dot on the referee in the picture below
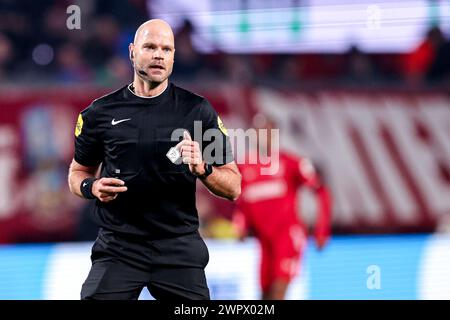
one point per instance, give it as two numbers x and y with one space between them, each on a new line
143 181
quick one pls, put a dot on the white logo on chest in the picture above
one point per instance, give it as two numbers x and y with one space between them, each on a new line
114 122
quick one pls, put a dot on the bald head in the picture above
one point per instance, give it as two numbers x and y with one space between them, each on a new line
153 27
152 52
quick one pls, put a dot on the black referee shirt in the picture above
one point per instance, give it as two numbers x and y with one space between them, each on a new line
130 136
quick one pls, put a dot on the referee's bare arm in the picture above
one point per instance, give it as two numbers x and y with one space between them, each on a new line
225 181
104 189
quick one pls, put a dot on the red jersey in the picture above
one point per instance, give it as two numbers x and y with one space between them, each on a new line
269 202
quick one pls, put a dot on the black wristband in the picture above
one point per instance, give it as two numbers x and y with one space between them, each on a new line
208 170
86 188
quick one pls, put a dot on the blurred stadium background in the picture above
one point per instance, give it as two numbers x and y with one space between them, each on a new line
360 87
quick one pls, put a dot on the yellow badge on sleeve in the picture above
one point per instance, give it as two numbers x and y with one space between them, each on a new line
79 126
222 126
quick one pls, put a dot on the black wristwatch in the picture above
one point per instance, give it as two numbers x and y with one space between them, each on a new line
208 171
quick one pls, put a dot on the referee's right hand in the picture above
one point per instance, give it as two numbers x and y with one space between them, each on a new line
107 189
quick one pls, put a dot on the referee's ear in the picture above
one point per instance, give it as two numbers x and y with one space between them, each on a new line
131 49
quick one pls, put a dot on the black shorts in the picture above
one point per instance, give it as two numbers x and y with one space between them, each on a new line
171 269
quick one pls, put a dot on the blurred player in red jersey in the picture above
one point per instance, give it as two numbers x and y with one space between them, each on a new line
268 207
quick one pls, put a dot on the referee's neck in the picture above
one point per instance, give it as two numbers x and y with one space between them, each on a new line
148 90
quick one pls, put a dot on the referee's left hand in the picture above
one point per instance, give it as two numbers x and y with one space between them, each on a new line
191 154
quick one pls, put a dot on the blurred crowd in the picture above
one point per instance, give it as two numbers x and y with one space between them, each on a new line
36 45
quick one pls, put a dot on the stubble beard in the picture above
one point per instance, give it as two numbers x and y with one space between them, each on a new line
153 83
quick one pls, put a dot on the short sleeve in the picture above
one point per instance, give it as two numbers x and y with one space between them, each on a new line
216 146
88 147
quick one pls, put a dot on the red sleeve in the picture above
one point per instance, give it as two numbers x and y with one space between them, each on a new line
309 177
323 224
239 219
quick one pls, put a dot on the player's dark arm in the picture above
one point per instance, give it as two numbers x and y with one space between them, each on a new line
225 181
104 189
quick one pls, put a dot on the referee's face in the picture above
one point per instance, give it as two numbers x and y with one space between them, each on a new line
153 52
